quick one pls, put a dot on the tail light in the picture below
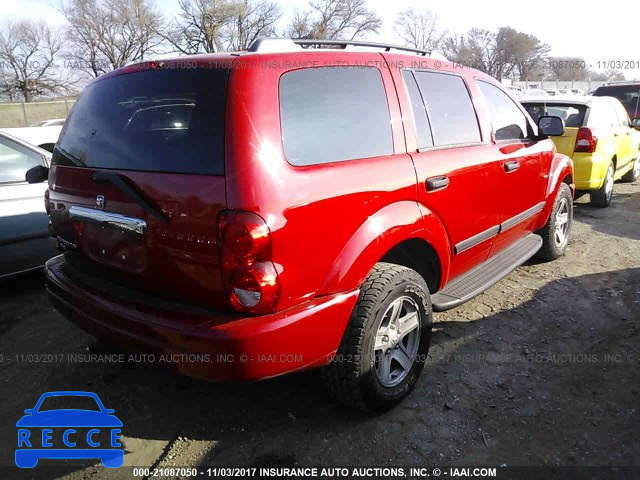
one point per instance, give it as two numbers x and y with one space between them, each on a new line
586 142
250 276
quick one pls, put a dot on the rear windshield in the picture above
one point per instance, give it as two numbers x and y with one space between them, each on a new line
572 114
153 120
629 96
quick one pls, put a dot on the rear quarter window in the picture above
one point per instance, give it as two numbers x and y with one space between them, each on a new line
332 114
153 120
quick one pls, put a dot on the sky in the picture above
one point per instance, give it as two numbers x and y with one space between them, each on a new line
604 33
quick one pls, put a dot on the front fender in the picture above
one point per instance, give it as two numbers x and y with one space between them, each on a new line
561 167
382 231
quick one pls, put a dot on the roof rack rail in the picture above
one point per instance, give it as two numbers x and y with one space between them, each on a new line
621 82
387 47
268 44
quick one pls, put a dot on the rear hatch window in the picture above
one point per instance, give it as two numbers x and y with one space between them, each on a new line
156 120
572 114
144 149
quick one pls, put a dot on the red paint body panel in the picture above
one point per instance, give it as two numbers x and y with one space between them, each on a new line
329 224
226 347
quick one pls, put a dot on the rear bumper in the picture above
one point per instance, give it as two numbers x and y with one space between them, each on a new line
207 344
589 171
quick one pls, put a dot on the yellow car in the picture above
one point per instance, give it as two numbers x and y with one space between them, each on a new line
599 139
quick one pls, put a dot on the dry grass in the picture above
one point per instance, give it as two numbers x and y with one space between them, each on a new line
13 114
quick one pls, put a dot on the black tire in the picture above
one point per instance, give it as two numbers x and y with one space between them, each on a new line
602 197
633 174
579 194
353 375
552 246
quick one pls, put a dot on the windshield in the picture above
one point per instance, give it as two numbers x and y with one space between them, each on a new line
153 120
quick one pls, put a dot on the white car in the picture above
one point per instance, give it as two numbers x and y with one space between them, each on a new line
24 224
54 122
515 91
43 137
535 92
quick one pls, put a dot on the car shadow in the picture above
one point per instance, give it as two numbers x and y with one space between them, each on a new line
489 384
18 288
602 220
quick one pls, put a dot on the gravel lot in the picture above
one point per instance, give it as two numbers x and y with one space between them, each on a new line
543 369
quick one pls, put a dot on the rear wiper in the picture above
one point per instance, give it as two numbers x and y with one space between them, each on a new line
121 184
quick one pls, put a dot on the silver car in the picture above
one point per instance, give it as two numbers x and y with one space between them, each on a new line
24 224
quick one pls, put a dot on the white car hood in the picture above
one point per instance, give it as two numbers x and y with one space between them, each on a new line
35 135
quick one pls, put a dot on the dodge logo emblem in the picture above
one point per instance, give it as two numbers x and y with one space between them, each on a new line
100 202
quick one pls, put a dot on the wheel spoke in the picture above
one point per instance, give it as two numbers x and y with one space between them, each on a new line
408 323
403 357
395 312
562 219
384 367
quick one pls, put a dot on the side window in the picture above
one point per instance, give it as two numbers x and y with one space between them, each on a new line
623 116
612 115
423 129
334 114
507 119
449 107
15 160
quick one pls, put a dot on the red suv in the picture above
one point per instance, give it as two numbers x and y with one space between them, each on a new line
303 204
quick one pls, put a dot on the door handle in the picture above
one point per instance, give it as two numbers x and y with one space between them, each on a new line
511 166
436 183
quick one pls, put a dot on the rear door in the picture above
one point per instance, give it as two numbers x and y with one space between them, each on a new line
137 180
524 164
458 177
625 139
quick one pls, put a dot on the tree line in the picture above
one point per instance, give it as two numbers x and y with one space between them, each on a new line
38 60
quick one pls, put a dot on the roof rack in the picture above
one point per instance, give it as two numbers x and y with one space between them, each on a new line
621 82
268 44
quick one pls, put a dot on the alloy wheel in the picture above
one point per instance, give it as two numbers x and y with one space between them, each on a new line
608 186
562 224
397 341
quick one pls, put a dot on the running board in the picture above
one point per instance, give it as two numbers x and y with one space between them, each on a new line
472 283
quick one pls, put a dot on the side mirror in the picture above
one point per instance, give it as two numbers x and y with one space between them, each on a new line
549 126
29 411
37 174
109 411
635 123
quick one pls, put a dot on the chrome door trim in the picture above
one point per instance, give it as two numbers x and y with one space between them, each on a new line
91 215
476 239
